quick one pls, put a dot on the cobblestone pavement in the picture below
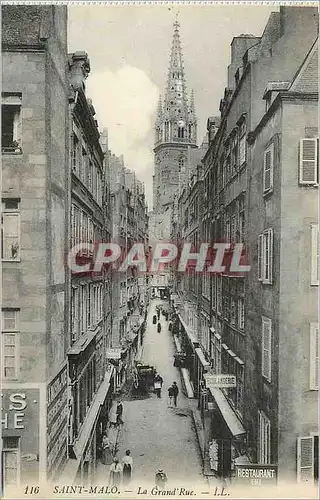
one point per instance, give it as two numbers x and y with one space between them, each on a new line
158 436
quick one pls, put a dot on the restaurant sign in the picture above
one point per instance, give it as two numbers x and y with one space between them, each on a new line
256 475
220 380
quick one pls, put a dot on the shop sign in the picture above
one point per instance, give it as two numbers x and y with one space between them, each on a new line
113 353
256 475
57 421
18 409
220 380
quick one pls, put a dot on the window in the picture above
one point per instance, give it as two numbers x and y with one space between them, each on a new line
265 256
242 144
10 332
11 461
314 254
264 439
314 356
241 314
10 229
268 164
75 154
11 123
266 347
308 161
307 459
227 234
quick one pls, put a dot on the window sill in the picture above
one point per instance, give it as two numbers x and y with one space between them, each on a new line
12 152
10 260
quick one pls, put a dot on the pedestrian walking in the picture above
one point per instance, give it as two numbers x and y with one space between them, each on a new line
161 479
159 327
175 393
119 413
106 450
158 381
170 396
127 464
115 473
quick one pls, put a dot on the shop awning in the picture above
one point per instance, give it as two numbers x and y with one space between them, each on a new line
92 414
230 417
190 335
201 357
71 467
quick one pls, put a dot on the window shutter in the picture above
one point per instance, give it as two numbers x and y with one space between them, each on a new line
268 169
260 256
270 255
266 348
305 459
314 254
308 161
314 356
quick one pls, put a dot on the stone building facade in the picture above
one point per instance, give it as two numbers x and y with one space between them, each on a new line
35 230
130 290
260 183
55 193
91 379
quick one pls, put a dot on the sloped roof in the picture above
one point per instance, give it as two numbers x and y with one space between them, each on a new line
306 78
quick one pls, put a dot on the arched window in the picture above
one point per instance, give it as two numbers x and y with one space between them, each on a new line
181 132
190 131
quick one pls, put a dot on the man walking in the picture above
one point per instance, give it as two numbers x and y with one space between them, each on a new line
170 397
175 392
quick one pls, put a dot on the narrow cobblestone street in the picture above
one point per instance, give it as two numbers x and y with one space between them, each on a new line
159 436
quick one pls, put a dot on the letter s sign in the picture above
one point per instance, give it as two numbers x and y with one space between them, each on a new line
18 401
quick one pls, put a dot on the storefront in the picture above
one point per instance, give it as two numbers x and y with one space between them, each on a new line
224 433
23 436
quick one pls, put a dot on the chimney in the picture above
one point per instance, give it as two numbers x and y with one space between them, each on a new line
239 45
79 69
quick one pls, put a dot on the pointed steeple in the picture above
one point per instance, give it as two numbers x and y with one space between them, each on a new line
175 110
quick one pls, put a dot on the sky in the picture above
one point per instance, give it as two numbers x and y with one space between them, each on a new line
129 48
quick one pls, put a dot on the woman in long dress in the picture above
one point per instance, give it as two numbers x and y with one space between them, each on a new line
106 450
115 473
127 464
